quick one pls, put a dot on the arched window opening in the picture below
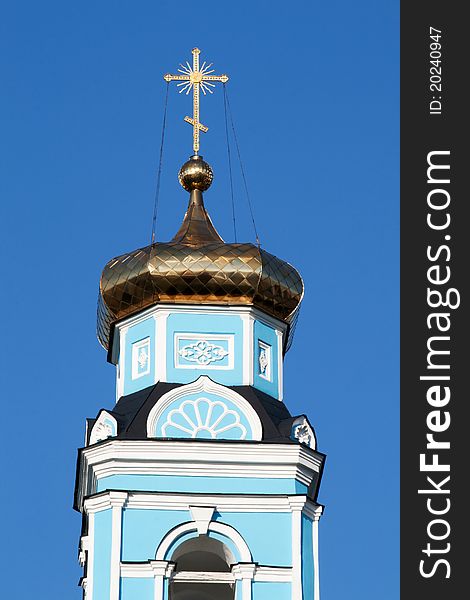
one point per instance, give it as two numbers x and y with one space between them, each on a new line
203 571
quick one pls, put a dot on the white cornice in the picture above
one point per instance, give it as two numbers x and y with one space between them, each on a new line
230 503
214 459
108 500
204 310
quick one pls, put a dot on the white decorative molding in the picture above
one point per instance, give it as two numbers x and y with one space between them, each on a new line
202 351
225 530
316 561
121 363
165 569
280 364
247 358
160 318
141 358
104 427
83 550
118 501
220 503
228 459
211 424
297 549
264 360
91 557
202 516
201 385
303 432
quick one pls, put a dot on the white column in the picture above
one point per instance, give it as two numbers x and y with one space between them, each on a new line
162 569
91 556
117 501
280 365
247 348
245 573
121 372
160 344
297 504
316 566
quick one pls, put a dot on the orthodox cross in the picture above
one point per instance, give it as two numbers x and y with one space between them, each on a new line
195 78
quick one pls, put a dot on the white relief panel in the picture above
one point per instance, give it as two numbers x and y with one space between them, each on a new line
141 358
204 418
204 351
264 360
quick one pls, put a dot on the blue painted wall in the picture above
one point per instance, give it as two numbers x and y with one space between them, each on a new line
268 535
144 529
136 333
267 335
102 555
307 558
192 484
133 588
263 590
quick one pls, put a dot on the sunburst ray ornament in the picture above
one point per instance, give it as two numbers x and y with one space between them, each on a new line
195 79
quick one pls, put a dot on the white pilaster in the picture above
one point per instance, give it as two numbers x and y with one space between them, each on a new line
244 572
280 365
297 504
117 501
91 556
161 343
120 368
161 569
248 349
316 566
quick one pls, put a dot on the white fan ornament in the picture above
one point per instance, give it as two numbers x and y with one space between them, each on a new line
204 418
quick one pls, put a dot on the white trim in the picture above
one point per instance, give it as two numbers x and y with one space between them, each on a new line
100 428
267 376
226 530
117 501
135 347
273 574
247 348
280 365
121 363
202 337
137 570
173 535
245 573
296 551
202 516
229 503
161 569
160 318
213 459
313 511
262 573
316 565
91 556
204 384
205 310
204 577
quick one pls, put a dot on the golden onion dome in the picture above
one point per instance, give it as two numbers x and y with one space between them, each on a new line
197 267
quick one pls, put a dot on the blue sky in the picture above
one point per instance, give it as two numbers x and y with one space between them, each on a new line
314 93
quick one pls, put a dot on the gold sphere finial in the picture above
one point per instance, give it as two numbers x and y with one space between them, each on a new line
196 174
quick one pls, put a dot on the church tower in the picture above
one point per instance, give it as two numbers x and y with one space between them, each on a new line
198 484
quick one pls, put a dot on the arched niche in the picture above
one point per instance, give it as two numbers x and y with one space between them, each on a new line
202 570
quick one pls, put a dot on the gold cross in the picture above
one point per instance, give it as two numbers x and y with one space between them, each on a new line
193 79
